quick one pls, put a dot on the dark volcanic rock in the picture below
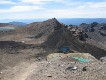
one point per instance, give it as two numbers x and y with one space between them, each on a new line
97 37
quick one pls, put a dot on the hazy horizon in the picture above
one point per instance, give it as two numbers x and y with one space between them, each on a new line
67 21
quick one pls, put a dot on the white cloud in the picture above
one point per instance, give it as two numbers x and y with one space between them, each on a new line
6 2
35 1
25 10
88 4
59 13
65 13
43 1
80 11
15 9
97 5
92 5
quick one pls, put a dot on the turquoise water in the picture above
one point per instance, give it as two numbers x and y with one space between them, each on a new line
6 28
81 59
64 49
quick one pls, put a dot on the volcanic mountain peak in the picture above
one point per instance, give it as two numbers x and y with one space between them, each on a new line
44 28
53 20
49 22
47 25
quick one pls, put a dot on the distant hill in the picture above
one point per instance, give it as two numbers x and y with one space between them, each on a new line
17 23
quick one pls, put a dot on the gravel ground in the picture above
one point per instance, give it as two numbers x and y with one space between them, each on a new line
55 70
27 64
62 71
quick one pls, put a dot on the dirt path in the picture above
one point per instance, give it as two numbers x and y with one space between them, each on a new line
20 72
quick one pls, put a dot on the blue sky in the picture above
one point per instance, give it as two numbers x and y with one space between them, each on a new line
30 9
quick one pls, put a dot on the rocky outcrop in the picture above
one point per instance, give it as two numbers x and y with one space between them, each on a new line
96 34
